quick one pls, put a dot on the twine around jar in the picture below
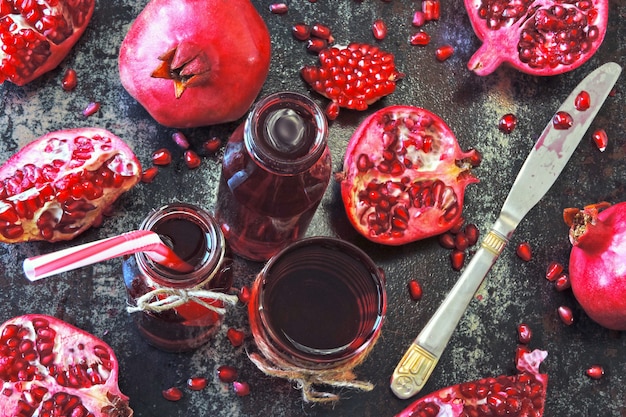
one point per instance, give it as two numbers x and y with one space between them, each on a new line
307 379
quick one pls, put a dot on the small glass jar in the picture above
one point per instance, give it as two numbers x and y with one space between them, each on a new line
275 171
193 311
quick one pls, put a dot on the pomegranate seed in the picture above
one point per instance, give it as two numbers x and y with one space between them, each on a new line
172 394
180 139
566 315
192 159
554 270
460 241
431 9
244 294
196 383
582 101
458 226
457 258
420 38
162 157
212 145
227 373
301 31
69 81
379 29
446 240
562 120
241 388
524 334
321 31
562 282
524 251
315 45
148 175
332 110
235 337
91 109
279 8
471 233
415 290
595 372
444 52
600 138
507 123
418 18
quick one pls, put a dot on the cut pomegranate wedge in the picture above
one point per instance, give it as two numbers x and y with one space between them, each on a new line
521 395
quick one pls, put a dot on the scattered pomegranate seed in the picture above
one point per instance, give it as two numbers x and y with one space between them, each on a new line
562 282
148 175
301 31
553 271
431 9
227 373
235 337
562 120
244 294
471 233
315 45
332 110
162 157
595 372
379 29
241 388
91 109
197 383
601 139
507 123
444 52
582 101
279 8
524 251
420 38
524 334
192 160
180 139
415 290
69 81
212 145
321 31
172 394
446 240
566 315
460 241
457 258
418 19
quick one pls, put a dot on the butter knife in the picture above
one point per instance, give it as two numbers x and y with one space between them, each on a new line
543 165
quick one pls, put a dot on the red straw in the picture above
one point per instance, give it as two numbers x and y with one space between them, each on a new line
128 243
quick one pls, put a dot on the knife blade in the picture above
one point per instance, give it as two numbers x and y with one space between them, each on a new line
542 167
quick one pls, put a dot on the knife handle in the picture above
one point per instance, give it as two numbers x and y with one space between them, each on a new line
420 359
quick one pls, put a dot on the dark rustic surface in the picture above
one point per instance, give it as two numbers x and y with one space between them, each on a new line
484 344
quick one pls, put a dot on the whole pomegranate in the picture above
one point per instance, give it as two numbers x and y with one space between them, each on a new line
51 368
35 36
518 395
537 37
60 184
194 63
597 264
404 176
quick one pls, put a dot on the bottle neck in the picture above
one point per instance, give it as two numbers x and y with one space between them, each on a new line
286 133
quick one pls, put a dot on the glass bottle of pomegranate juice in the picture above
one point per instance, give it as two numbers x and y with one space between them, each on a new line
195 236
275 171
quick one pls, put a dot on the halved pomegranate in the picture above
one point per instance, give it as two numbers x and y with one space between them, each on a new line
51 368
35 36
521 395
404 176
537 37
60 184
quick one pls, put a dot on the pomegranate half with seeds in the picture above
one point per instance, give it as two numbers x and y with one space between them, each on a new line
537 37
51 368
404 176
195 63
35 36
60 184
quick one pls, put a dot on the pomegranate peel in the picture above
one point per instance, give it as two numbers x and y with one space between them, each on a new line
511 395
48 365
404 176
536 37
597 266
61 184
35 36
